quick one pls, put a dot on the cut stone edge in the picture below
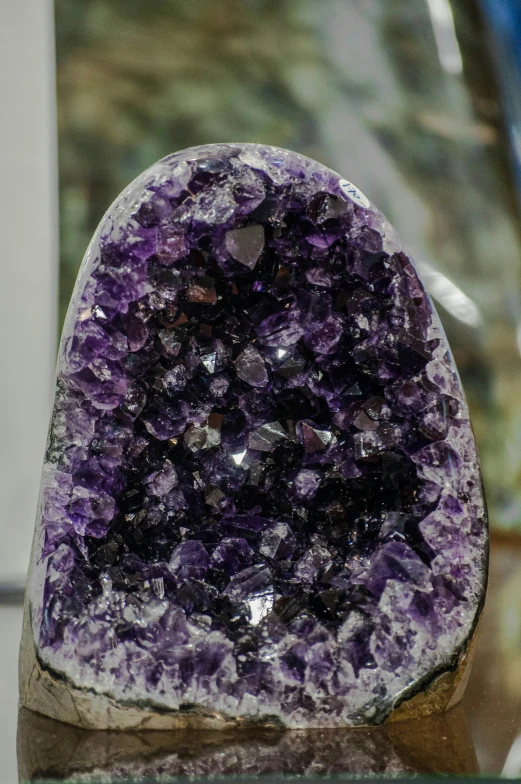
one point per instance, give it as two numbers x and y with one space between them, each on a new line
444 691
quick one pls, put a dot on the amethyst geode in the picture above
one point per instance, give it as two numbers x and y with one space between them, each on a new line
261 496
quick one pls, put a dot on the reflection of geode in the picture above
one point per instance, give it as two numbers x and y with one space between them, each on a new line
435 744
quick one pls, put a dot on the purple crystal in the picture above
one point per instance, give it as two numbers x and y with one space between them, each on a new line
232 555
261 493
249 366
189 560
246 244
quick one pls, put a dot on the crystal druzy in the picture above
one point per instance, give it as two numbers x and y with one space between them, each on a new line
261 495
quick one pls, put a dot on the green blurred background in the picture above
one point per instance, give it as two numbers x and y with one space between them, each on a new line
397 95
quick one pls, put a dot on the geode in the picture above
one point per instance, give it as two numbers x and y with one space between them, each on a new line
261 500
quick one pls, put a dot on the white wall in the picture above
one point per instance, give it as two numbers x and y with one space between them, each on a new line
28 267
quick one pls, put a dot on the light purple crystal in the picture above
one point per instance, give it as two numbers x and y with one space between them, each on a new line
261 493
246 245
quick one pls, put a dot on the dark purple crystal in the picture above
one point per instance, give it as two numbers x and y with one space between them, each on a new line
261 493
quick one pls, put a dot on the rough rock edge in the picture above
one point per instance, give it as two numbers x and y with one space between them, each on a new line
47 693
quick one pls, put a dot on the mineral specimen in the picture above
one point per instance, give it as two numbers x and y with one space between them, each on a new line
261 498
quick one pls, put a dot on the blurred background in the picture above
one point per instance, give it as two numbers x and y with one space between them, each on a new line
418 102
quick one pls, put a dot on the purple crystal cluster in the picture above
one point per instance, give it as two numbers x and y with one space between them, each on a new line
261 493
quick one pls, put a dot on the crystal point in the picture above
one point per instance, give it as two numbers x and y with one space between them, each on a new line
261 497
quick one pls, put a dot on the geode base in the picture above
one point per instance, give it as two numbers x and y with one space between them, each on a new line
45 693
261 499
